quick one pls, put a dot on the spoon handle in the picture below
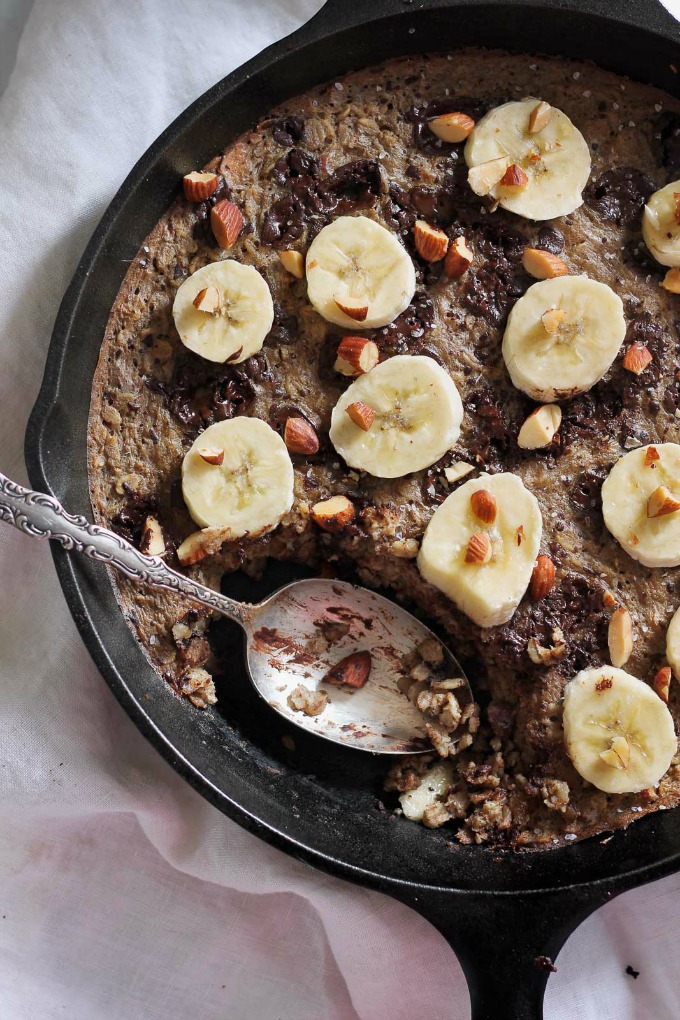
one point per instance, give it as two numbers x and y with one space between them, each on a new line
42 516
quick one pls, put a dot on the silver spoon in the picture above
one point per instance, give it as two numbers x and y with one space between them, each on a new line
295 637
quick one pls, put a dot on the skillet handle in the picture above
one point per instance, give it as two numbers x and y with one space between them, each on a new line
506 942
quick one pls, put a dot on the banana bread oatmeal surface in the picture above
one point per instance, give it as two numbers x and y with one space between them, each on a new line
476 229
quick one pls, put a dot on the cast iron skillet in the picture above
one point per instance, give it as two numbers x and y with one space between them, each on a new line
499 910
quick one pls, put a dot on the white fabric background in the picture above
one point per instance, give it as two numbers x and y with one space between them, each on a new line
122 893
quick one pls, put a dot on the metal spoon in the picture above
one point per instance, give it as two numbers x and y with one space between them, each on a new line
293 638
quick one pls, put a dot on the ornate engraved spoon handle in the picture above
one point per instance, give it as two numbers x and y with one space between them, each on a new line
42 516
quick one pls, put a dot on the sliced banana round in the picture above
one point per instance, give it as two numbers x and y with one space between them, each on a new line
250 489
560 363
236 311
416 419
638 497
618 733
673 643
486 581
356 263
553 159
661 226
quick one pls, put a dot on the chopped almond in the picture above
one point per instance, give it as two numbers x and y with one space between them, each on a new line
671 281
226 220
300 437
514 177
201 544
152 542
676 197
431 243
479 548
207 300
485 176
552 319
458 258
356 355
352 671
356 308
483 505
452 127
637 358
662 502
199 186
293 262
540 427
361 414
620 637
539 117
662 682
542 577
333 514
651 456
543 265
211 455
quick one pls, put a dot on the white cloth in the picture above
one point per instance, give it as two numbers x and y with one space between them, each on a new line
123 894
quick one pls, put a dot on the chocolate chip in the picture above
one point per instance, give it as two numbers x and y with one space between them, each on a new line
619 194
288 130
550 239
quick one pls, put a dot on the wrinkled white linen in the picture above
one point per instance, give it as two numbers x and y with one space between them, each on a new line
122 893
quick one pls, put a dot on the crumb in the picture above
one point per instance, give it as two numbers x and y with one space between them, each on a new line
310 702
635 974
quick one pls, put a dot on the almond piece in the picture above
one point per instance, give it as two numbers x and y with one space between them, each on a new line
543 265
552 319
200 544
458 258
483 505
431 243
542 577
479 548
352 671
226 220
618 755
459 469
539 429
451 127
356 308
636 358
333 514
300 437
199 186
207 300
152 542
356 355
609 600
676 197
662 682
485 176
671 280
620 637
651 456
293 262
539 117
211 455
361 414
662 502
514 177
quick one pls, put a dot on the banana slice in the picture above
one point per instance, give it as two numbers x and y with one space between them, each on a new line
433 786
481 551
630 501
555 159
243 315
618 733
557 365
673 643
417 413
355 258
250 490
661 226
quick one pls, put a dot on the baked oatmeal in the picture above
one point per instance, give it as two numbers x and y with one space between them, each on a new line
407 327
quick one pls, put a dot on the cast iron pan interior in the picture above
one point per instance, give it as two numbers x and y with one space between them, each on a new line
320 803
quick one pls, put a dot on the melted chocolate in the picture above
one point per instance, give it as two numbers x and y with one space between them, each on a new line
550 239
490 289
201 393
312 200
288 130
129 522
620 194
669 136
